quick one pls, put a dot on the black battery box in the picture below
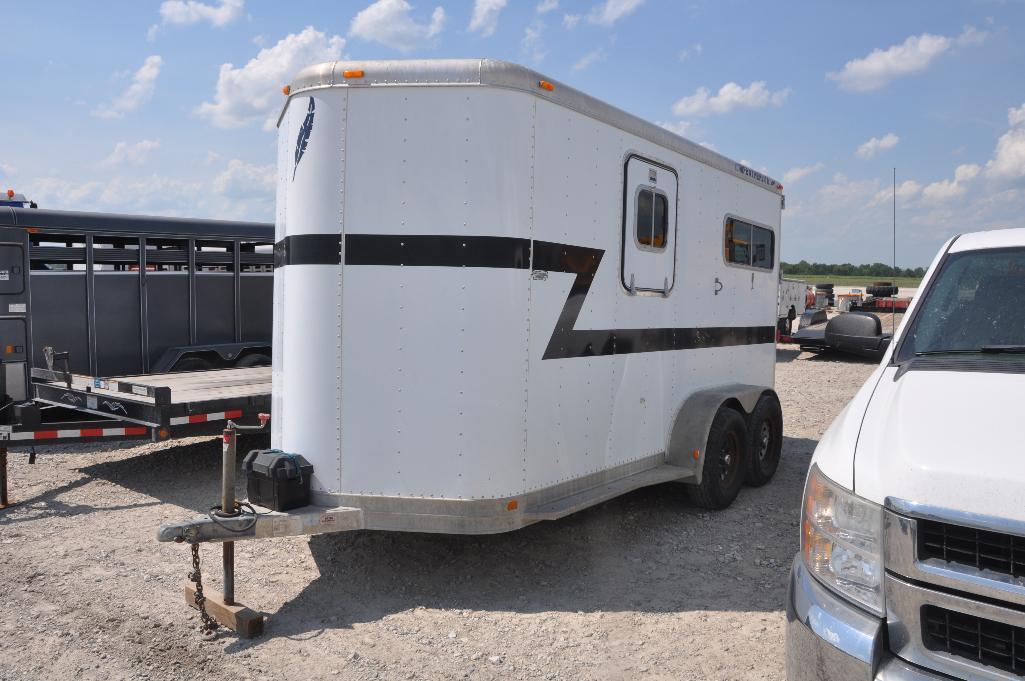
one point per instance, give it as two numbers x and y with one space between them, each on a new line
277 480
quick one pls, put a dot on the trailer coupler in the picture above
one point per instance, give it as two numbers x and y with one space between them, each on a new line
264 524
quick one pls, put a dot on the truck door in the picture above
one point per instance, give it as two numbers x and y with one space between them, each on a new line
13 313
649 226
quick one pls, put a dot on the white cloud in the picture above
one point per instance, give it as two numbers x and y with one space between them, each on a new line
253 92
914 55
678 127
846 192
795 174
241 180
1016 116
139 91
185 12
151 34
6 170
131 154
570 21
389 22
546 6
875 145
589 59
906 191
212 157
611 11
692 51
951 189
485 16
532 44
730 96
1009 158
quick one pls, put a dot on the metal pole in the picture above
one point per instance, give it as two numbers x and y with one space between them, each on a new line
4 501
228 508
893 296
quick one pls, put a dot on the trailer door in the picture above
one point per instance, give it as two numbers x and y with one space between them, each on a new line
649 226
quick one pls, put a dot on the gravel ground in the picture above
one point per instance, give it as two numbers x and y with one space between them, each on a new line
645 586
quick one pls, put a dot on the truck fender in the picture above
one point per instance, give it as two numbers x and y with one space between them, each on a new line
693 419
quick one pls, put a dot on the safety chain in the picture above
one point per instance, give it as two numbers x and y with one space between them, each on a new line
209 625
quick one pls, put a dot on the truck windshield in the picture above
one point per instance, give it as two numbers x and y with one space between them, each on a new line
975 304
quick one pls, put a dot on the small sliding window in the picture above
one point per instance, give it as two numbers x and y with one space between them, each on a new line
749 245
652 220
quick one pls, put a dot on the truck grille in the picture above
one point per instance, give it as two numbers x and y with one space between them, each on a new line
995 644
981 549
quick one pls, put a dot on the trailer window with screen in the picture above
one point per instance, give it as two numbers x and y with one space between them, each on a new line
652 223
749 245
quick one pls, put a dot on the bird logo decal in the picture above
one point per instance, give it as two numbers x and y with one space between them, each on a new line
304 137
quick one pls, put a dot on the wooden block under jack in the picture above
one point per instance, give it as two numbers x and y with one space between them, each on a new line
238 618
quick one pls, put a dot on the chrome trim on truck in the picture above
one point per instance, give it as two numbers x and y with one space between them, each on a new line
904 602
900 555
828 638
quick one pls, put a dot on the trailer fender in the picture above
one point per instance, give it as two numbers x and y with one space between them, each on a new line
689 433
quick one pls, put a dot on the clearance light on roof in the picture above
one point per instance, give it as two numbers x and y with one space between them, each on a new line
545 85
353 73
10 193
287 89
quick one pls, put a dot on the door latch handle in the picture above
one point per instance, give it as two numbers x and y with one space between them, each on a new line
718 286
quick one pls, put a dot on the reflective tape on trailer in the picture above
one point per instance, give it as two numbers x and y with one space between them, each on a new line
203 418
78 432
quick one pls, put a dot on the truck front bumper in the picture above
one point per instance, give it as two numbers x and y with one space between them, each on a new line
828 638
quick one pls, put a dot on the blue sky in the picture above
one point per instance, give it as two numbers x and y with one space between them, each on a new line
164 107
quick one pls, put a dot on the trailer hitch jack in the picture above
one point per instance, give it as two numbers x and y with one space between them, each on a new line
223 609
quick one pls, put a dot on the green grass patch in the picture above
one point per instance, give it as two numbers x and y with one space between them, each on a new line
858 282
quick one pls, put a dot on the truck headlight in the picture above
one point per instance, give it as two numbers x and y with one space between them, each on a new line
841 541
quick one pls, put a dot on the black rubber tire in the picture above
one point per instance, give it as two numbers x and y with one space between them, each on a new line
765 443
256 359
880 291
882 283
191 364
725 464
823 287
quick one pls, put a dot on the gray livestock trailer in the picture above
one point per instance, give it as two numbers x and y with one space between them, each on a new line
94 296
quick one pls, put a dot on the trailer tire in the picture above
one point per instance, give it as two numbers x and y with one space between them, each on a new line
722 473
191 364
256 359
766 440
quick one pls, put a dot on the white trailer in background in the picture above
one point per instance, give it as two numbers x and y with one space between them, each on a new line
499 300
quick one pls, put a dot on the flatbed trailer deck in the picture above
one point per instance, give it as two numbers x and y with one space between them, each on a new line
162 404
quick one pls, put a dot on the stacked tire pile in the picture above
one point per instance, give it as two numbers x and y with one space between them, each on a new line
828 290
881 289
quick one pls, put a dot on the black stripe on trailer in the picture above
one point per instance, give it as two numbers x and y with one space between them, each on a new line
395 250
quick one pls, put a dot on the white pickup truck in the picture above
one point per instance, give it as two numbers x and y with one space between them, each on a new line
912 561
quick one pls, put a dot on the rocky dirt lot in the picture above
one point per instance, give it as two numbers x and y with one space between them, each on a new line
645 586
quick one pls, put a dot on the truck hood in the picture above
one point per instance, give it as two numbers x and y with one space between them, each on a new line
949 439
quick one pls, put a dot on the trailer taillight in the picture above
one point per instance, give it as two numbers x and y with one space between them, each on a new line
353 73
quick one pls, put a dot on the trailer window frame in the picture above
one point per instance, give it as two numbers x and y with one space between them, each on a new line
655 194
727 219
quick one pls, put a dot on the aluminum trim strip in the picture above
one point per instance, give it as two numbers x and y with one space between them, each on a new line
494 73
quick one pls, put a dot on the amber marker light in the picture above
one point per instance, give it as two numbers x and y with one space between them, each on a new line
697 454
512 505
545 85
286 90
352 73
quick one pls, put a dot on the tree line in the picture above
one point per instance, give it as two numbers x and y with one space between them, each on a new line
876 269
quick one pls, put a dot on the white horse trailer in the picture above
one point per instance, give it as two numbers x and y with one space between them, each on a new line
499 300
